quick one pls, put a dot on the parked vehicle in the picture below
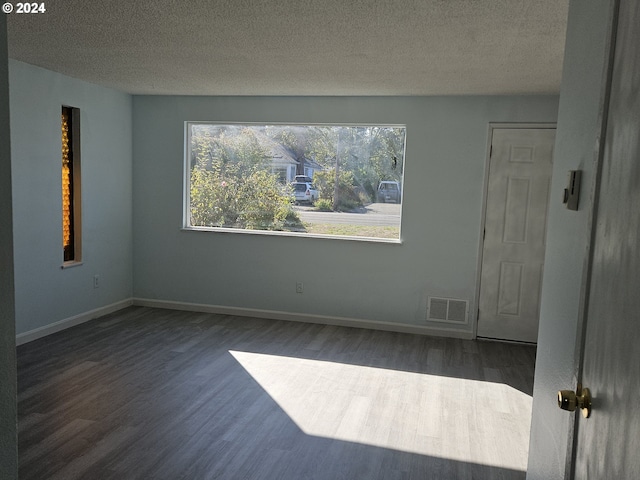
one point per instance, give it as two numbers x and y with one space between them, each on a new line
303 179
304 192
389 192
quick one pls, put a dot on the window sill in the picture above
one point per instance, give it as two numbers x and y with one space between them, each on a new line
71 264
275 233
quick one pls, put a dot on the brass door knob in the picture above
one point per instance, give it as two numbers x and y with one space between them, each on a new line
568 400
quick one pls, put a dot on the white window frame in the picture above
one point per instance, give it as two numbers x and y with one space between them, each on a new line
186 203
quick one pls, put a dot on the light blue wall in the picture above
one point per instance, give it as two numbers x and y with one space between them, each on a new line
45 293
443 193
577 138
8 428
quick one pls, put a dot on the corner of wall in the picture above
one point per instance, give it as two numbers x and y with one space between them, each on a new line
106 145
8 408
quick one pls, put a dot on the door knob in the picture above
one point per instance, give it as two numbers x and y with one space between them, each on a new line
581 398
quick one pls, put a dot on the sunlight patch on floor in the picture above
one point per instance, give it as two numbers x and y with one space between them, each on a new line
456 418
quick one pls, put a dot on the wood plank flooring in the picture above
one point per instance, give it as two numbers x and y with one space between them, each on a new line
157 394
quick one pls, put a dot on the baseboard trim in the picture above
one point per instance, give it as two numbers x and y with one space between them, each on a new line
40 332
304 318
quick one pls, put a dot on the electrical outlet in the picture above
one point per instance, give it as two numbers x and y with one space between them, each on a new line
96 281
299 287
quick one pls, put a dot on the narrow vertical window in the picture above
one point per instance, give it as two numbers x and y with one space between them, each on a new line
70 185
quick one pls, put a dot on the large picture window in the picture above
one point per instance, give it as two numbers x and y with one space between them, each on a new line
319 180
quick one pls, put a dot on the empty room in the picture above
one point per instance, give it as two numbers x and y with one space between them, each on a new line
319 240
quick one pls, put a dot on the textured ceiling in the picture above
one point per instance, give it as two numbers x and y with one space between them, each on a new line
299 47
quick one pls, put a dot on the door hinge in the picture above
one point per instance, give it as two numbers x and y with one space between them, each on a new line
491 151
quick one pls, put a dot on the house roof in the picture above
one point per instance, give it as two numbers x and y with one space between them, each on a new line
312 164
279 154
299 47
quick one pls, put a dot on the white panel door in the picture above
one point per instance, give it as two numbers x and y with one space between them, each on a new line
515 229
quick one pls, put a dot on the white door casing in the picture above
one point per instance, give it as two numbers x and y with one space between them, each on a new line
517 201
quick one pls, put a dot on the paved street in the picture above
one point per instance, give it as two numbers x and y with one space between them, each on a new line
375 214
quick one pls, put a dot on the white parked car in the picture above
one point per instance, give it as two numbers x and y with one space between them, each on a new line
303 178
304 192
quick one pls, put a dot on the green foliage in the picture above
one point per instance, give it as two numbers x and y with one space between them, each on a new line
324 182
373 154
267 204
348 196
324 205
232 186
370 153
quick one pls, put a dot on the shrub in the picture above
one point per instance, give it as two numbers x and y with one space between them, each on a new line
256 202
324 205
348 197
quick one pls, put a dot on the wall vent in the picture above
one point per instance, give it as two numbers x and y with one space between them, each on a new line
447 310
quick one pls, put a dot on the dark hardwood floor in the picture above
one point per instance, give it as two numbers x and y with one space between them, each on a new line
157 394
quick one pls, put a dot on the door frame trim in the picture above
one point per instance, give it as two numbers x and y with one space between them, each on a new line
485 191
